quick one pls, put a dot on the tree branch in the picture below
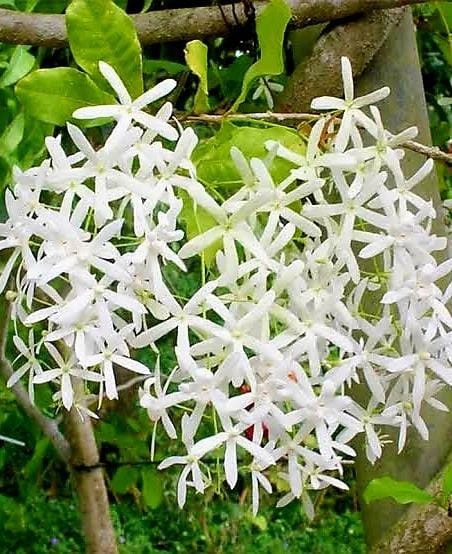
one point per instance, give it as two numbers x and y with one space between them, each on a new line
185 23
89 482
320 73
48 426
430 151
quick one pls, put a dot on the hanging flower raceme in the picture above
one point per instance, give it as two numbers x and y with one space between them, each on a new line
321 279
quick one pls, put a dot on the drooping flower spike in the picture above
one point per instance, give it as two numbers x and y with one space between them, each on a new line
272 343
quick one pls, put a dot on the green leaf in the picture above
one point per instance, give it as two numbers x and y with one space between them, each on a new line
34 466
51 6
171 68
271 25
445 10
146 5
52 95
99 30
447 481
124 479
20 64
214 163
402 492
198 221
196 58
216 169
259 521
12 135
152 487
31 149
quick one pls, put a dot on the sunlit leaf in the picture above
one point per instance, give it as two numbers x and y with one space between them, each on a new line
99 30
20 64
271 25
52 95
199 221
196 58
214 163
447 481
12 135
402 492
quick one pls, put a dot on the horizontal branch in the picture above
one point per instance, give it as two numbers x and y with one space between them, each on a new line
185 23
430 151
218 119
47 425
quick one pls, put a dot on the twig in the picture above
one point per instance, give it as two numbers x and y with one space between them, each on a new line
93 398
431 151
185 23
264 116
48 426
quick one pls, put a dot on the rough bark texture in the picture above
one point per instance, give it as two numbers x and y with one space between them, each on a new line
90 485
185 23
320 73
395 63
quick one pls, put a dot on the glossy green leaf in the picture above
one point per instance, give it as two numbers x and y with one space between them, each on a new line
214 163
152 490
99 30
447 481
271 26
20 64
31 148
198 221
402 492
124 479
52 95
12 135
196 58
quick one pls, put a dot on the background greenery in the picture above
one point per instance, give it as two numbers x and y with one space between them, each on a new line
37 511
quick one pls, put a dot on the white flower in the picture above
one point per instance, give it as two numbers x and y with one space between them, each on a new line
265 88
131 110
350 106
63 372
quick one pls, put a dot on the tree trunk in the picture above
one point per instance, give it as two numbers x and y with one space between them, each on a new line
88 480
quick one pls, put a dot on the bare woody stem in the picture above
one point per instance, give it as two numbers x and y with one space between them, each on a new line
47 425
89 482
185 23
430 151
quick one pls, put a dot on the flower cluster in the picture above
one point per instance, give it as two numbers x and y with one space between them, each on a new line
323 279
